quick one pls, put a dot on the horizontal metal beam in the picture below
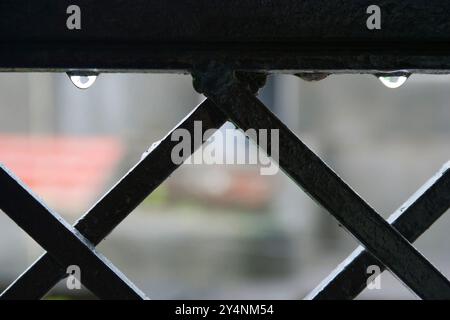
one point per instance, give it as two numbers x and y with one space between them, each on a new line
412 219
116 204
208 21
272 35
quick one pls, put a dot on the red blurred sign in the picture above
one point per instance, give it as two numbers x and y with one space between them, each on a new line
67 172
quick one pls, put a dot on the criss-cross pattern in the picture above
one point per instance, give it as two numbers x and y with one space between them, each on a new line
387 242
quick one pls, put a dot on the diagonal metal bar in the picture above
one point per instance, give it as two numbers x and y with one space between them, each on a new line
413 218
62 241
327 188
116 204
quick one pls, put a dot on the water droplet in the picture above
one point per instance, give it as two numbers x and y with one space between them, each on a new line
82 80
393 82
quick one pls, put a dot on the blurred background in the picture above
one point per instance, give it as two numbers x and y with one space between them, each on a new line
221 232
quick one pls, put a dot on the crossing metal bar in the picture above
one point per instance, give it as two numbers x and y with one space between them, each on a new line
66 245
325 186
115 205
254 35
291 36
412 219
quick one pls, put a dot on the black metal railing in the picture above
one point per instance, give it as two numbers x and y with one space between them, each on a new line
229 58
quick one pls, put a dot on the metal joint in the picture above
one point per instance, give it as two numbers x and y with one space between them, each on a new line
216 79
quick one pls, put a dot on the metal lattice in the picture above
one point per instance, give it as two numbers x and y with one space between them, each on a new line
229 61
